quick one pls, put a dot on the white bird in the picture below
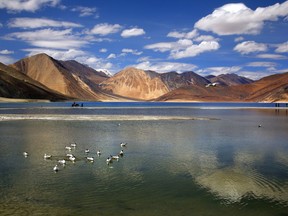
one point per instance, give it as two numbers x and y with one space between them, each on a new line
73 145
121 153
25 154
115 157
72 158
69 148
63 162
46 156
56 169
91 159
109 160
69 155
87 151
123 144
98 153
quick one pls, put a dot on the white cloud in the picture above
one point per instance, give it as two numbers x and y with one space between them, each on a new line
271 56
188 35
48 38
111 56
132 32
86 11
205 38
238 39
30 23
220 70
282 48
163 67
26 5
195 49
134 52
237 18
184 48
6 52
105 29
247 47
103 50
262 64
6 59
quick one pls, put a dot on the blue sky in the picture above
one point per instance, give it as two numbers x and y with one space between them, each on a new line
249 38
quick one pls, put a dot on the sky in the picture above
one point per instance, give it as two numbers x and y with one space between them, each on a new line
248 37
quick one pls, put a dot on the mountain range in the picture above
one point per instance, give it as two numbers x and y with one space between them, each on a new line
43 77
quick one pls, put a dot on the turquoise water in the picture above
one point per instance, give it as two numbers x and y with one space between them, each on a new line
222 163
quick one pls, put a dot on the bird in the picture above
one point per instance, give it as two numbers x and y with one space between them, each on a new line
63 162
91 159
25 154
46 156
121 153
69 148
98 153
56 169
259 125
72 158
87 151
109 160
123 144
115 157
69 155
73 145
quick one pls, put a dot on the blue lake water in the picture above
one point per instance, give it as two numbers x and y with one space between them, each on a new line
219 163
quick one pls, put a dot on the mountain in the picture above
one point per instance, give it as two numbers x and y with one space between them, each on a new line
14 84
66 77
272 88
136 84
229 80
174 80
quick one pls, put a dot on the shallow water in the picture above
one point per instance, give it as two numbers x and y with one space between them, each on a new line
219 164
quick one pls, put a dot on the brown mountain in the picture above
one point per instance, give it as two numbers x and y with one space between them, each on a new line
135 83
174 80
229 80
14 84
269 89
66 77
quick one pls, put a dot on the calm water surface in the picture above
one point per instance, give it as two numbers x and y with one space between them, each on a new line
228 166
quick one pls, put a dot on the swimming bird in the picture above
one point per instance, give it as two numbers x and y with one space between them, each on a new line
121 153
87 151
69 148
73 145
46 156
56 169
259 125
123 144
72 158
109 160
63 162
115 157
98 153
91 159
25 154
69 155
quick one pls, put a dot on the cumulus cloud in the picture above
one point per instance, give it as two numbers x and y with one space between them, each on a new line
49 38
86 11
247 47
163 67
262 64
31 23
6 52
132 32
188 35
237 18
134 52
26 5
105 29
271 56
184 48
282 48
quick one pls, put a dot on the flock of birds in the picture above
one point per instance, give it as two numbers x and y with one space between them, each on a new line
72 158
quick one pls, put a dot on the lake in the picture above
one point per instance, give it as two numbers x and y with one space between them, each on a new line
180 159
